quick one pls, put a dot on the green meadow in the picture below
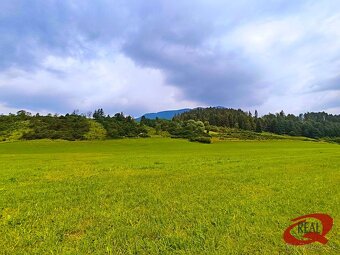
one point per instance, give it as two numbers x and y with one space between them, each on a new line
164 196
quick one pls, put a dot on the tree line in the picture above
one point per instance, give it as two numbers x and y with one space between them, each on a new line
194 125
312 125
71 127
96 126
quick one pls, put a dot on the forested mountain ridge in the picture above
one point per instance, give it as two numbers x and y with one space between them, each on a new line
168 115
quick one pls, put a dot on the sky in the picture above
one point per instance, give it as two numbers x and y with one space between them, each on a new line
137 56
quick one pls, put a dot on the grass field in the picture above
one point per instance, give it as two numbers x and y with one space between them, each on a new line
164 196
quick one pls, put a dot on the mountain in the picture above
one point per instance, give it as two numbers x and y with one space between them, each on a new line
168 115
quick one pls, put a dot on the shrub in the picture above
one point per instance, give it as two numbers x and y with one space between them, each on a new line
143 135
201 139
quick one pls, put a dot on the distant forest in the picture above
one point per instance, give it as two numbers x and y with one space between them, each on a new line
195 125
312 125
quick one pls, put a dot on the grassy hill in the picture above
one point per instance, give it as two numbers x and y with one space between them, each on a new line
238 134
164 196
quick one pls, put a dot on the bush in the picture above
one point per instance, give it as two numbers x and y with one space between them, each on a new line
143 135
200 139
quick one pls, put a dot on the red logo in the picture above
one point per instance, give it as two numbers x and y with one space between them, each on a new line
310 230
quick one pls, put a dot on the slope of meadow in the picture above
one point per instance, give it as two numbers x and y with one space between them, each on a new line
162 196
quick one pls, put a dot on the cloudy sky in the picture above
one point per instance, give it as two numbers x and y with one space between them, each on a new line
145 56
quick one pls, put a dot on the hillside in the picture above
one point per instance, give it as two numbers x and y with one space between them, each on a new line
312 125
167 115
200 124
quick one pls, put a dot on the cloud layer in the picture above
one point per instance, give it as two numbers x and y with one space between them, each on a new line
135 56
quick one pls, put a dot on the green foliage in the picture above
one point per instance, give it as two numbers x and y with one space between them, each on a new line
190 129
238 134
152 132
13 127
191 125
69 127
96 131
312 125
119 125
258 125
222 117
332 140
200 139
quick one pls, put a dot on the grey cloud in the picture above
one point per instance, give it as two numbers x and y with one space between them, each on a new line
179 45
332 84
58 102
212 78
176 37
150 31
31 30
44 100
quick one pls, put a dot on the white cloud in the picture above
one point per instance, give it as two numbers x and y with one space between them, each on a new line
295 53
114 84
5 110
